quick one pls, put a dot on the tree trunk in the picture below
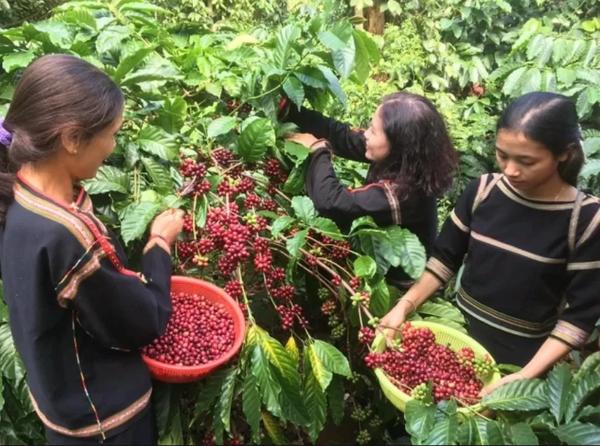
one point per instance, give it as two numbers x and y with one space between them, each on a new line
375 18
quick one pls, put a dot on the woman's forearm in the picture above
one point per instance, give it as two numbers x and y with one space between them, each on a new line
549 353
423 288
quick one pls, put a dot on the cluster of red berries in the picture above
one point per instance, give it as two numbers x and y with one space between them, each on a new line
195 173
198 331
290 314
274 171
366 335
420 360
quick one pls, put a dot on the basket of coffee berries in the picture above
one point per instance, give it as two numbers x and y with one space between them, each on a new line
206 329
432 362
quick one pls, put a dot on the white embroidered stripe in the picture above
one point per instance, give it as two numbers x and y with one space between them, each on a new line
458 223
515 250
570 333
70 290
498 326
590 229
394 205
71 222
547 207
439 268
109 423
578 266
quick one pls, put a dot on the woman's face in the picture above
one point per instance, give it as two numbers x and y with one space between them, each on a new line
527 164
92 153
378 146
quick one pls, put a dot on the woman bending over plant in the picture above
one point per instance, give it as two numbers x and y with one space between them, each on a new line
412 162
529 241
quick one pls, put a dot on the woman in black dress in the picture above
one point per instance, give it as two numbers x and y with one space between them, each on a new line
529 241
77 314
411 158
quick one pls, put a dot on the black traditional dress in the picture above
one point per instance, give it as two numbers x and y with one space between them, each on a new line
531 268
378 198
78 316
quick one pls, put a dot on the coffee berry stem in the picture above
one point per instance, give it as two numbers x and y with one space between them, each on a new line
246 302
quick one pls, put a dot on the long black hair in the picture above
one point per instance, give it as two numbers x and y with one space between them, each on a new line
550 119
56 92
422 157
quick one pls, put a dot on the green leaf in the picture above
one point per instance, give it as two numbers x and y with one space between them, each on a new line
409 250
296 243
443 310
130 62
268 387
211 389
365 266
473 431
156 141
273 429
111 38
294 90
512 84
315 399
332 358
165 399
343 59
160 175
521 395
578 433
362 66
494 433
281 224
333 84
11 62
559 383
220 126
380 299
284 42
294 185
312 77
319 370
444 430
172 114
335 399
108 179
10 362
419 420
136 218
591 363
296 151
582 389
226 398
523 434
292 349
304 209
327 227
251 403
255 139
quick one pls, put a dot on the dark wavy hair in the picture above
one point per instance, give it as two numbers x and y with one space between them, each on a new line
422 157
56 92
550 119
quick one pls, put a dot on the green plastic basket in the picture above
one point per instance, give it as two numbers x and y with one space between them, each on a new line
443 335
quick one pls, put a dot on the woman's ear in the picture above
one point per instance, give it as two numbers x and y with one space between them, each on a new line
70 140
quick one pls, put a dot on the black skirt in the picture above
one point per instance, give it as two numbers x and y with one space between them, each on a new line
504 347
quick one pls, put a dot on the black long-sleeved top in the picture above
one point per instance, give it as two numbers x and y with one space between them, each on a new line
519 264
378 198
77 320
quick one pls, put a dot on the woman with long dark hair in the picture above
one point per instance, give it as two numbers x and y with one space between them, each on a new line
529 241
77 314
411 158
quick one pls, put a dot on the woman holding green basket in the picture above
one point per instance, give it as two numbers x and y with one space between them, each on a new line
529 241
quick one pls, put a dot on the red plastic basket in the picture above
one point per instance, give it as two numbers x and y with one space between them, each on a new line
183 374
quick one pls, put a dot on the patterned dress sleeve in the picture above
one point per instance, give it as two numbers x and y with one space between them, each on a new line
582 303
345 141
335 201
119 309
451 244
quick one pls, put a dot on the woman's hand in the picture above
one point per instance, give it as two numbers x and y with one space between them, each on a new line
507 379
396 317
305 139
168 225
